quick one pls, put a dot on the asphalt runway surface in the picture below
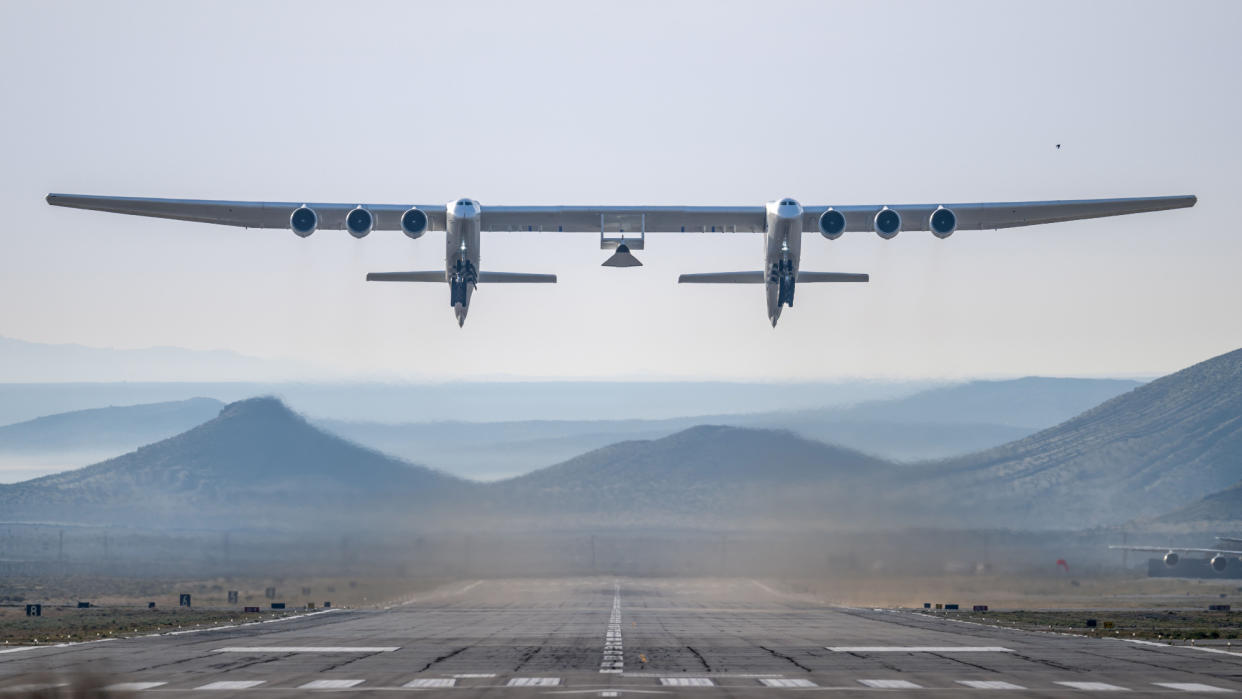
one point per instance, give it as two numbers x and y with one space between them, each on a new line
624 637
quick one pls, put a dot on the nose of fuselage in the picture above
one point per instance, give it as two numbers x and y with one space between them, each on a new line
459 310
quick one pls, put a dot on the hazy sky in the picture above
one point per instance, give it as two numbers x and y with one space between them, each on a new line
627 103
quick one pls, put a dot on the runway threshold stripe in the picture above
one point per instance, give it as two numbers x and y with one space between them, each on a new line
890 684
431 682
990 684
132 686
534 682
231 684
1093 686
686 682
919 649
331 684
790 684
1192 687
308 649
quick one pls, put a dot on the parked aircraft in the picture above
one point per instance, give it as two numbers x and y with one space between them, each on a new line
624 229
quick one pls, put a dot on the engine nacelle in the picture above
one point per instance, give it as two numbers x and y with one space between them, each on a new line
414 223
1171 559
303 221
832 224
1219 563
942 222
359 222
887 223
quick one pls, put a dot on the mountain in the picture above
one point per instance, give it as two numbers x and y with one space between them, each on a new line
256 463
1221 506
1165 444
26 362
705 476
68 440
936 423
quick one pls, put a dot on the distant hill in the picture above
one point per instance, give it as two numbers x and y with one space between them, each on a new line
69 440
256 463
1222 506
707 475
107 428
1162 445
936 423
25 362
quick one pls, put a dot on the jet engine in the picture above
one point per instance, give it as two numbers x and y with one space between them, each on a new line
887 223
1171 559
359 222
942 222
303 221
832 224
1219 563
414 223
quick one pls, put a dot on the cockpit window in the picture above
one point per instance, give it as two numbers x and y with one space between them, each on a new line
463 202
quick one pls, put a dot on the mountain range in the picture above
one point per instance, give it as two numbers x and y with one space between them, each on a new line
1171 445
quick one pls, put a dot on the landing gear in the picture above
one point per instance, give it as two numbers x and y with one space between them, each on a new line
782 274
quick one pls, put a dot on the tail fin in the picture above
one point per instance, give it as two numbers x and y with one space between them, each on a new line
723 278
434 276
515 278
812 277
483 277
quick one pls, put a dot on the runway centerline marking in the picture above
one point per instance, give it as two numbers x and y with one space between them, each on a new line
331 684
918 649
1093 686
132 686
307 649
613 661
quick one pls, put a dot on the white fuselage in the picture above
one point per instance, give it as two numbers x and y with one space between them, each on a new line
782 253
461 252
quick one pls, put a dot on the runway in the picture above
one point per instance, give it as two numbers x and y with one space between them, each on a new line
624 637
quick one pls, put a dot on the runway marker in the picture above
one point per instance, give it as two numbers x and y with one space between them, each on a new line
132 686
686 682
990 684
534 681
331 684
1191 687
475 675
1093 686
308 649
787 683
890 684
231 684
431 682
613 661
919 649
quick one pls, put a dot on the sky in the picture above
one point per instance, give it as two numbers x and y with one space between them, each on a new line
731 103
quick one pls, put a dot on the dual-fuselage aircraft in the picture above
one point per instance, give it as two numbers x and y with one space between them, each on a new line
623 229
1217 558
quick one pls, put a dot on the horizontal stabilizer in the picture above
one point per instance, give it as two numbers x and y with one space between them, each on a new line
723 278
810 277
432 276
515 278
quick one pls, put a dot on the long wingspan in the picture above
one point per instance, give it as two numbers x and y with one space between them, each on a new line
653 219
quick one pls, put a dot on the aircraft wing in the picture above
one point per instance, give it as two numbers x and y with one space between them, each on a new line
984 216
1175 549
246 214
653 219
